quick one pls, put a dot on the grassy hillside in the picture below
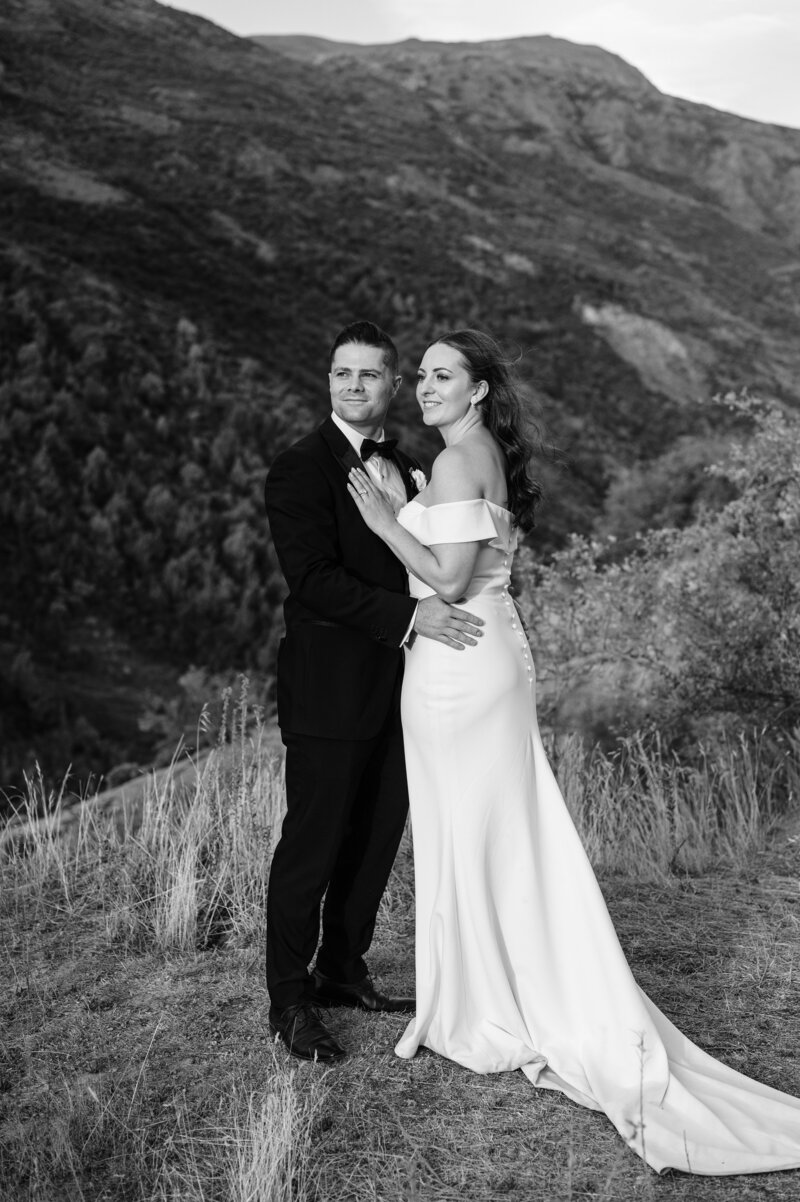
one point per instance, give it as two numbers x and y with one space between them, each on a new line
137 1063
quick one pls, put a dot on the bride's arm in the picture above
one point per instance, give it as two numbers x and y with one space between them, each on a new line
446 567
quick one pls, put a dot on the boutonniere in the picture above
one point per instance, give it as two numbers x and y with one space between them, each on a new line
418 477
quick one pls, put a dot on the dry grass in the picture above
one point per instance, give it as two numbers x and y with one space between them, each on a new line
648 816
137 1062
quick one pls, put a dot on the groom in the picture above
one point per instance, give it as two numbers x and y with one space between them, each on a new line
348 614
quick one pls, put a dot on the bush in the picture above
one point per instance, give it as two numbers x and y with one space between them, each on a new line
698 629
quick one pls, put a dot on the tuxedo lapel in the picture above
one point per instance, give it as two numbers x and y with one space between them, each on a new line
340 447
405 465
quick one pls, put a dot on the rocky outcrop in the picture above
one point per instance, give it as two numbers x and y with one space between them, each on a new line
664 362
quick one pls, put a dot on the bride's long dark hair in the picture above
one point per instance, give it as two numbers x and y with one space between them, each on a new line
503 415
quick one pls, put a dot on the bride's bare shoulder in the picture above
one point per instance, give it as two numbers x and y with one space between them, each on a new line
453 476
462 472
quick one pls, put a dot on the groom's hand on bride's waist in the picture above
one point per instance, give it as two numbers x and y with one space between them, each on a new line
448 624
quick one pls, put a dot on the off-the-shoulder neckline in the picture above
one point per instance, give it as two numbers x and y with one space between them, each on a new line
471 501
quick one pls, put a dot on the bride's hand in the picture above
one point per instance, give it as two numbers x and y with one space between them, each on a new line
370 501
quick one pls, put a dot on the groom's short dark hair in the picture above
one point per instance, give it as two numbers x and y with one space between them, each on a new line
366 333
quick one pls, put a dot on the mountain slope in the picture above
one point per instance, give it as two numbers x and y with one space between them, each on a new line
187 217
691 216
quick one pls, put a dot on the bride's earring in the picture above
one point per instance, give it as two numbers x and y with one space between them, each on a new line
480 395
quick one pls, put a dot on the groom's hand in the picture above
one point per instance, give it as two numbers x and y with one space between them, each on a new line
454 627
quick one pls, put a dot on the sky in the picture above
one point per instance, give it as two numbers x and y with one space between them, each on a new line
740 56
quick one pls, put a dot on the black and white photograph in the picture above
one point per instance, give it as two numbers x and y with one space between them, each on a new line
400 606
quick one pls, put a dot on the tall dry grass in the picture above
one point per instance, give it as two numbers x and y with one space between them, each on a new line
189 870
192 870
644 813
268 1142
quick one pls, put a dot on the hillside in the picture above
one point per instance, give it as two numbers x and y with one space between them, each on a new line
186 219
136 1059
647 204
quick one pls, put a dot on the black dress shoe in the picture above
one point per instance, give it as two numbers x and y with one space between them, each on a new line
361 996
304 1033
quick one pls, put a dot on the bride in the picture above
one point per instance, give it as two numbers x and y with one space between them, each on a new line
518 965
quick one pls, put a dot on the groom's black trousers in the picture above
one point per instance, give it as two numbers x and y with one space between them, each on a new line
347 802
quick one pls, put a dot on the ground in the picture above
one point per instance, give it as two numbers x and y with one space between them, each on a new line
121 1065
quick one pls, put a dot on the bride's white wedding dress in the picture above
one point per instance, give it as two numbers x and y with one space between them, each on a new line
517 961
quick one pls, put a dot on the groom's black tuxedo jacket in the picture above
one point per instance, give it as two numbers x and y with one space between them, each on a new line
348 609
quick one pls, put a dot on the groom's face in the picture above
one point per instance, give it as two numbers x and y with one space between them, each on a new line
361 386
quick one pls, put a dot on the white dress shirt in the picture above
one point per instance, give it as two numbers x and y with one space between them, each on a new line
384 472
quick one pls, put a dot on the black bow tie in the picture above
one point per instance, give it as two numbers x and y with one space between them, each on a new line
370 447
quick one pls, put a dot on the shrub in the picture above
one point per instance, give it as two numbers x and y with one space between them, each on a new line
696 630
